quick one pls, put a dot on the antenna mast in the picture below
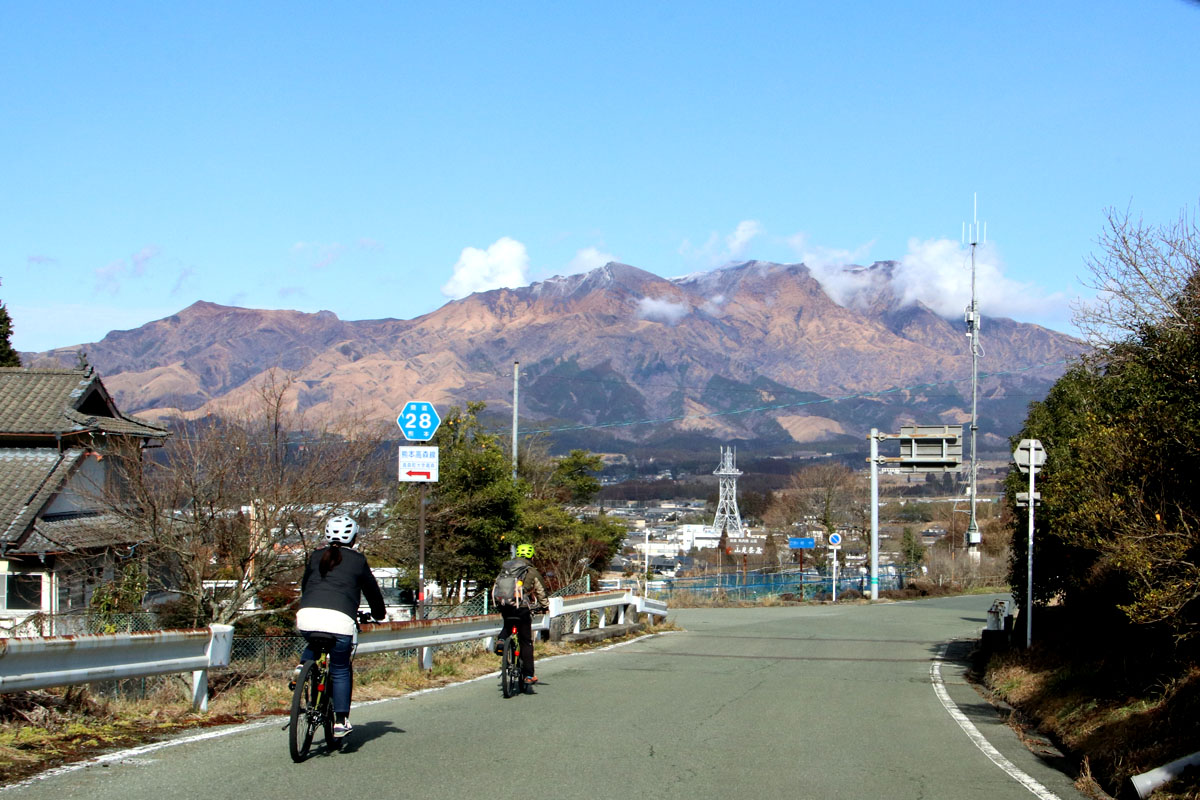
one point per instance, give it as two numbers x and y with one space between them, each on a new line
972 320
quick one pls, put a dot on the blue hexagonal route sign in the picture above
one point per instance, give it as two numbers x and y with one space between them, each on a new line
418 420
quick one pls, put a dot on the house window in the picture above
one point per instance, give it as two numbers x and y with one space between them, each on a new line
22 591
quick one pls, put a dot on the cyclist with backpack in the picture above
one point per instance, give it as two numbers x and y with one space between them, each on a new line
519 590
334 578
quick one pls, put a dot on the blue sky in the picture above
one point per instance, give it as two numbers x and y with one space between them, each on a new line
378 159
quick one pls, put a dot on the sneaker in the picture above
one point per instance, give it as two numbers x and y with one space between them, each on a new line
295 677
530 680
340 729
499 648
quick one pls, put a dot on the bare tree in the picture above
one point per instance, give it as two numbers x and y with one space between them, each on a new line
831 493
1139 277
241 499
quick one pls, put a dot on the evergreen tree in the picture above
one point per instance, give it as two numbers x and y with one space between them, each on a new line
8 356
1117 534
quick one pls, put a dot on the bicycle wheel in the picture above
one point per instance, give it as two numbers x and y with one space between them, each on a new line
302 724
326 714
510 673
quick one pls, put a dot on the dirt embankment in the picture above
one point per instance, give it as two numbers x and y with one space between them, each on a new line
1105 713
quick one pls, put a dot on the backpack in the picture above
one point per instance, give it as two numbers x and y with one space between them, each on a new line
508 588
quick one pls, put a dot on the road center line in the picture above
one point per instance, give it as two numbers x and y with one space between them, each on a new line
986 747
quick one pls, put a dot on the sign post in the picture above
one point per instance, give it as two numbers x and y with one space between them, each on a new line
418 421
835 543
1030 456
923 448
801 543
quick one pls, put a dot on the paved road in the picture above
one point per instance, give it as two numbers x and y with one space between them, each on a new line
797 702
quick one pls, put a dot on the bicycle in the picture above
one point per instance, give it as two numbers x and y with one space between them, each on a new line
312 701
511 680
312 697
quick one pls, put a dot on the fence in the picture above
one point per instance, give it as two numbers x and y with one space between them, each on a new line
274 653
84 622
36 662
757 585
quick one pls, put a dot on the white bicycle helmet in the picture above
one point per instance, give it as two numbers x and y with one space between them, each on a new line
341 529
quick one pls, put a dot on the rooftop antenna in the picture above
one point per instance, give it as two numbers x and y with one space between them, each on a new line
972 320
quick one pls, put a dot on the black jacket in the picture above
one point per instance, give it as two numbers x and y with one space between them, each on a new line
341 586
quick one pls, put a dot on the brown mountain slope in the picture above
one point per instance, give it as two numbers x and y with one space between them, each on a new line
613 346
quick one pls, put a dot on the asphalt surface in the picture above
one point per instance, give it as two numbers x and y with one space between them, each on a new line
799 702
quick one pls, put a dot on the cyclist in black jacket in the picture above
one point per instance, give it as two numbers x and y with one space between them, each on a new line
533 595
334 578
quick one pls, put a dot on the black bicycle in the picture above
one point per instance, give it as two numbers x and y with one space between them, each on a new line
312 701
511 680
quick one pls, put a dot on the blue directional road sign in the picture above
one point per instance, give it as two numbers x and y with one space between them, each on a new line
802 542
418 421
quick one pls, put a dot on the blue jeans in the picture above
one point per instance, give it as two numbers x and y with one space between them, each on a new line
341 674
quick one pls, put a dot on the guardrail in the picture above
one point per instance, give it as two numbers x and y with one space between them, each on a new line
36 663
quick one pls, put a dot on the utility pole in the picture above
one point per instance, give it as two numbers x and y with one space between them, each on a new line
516 373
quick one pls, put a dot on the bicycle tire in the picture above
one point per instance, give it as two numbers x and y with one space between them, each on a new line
510 674
301 725
331 741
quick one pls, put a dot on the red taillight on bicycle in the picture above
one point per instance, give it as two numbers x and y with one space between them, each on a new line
320 687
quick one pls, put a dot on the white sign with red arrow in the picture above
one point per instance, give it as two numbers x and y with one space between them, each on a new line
419 464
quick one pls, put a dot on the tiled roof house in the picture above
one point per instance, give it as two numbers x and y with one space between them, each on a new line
56 543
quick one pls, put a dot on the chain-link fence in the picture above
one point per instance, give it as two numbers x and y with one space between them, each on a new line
84 622
786 585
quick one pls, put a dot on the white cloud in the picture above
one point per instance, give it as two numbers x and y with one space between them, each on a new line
504 264
713 304
657 310
721 250
935 272
108 278
142 257
938 273
827 265
185 274
112 276
745 232
587 259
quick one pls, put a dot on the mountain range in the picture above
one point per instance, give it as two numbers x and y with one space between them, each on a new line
754 352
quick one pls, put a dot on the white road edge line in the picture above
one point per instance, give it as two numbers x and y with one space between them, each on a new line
123 755
977 738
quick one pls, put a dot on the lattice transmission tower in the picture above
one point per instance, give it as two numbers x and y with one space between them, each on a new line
728 519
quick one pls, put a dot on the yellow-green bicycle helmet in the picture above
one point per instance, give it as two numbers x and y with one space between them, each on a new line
525 551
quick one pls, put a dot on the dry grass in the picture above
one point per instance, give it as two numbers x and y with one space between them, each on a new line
1114 732
40 730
